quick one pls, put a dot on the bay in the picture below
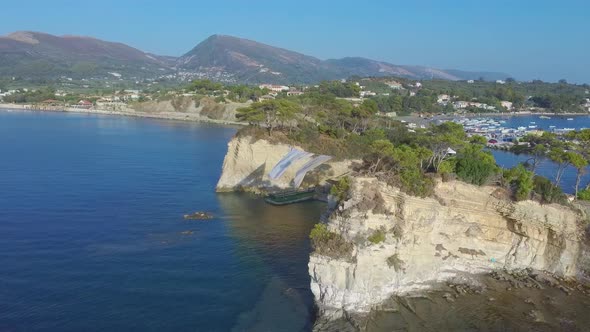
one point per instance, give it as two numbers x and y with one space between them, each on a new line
92 236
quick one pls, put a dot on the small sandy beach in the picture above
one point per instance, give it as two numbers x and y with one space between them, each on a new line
177 116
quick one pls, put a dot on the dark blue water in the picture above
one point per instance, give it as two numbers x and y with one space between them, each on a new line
547 168
92 236
578 122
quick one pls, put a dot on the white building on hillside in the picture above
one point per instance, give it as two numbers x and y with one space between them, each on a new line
367 93
275 88
394 85
461 104
443 99
506 104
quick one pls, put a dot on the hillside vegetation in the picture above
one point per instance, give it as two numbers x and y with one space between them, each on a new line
410 159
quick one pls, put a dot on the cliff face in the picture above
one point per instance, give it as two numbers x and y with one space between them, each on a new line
417 242
204 109
248 162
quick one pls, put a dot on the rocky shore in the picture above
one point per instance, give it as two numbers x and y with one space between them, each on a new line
424 242
503 300
160 110
388 251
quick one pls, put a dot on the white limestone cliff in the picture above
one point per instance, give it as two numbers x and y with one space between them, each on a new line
464 229
248 162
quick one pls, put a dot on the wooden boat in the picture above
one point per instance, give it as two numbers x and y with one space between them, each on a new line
290 196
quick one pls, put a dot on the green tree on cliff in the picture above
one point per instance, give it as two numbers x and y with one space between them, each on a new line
522 180
562 159
580 163
475 165
269 113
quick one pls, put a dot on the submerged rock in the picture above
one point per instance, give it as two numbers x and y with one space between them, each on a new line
495 309
198 216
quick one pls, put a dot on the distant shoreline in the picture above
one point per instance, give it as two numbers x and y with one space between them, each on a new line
176 116
191 117
416 118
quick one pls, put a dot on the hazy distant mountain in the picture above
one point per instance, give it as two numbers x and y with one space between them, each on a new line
35 54
368 67
39 55
475 75
250 61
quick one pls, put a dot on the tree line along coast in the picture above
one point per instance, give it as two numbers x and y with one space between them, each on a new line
356 118
393 96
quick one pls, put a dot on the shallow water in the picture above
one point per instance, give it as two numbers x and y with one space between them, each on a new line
92 236
495 309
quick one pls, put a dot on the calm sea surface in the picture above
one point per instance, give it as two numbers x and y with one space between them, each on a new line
547 168
92 236
577 122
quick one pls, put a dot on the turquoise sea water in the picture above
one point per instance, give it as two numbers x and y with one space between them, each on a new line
92 236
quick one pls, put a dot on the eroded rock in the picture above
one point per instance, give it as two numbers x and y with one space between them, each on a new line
466 230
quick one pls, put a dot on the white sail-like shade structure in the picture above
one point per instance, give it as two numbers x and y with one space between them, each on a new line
289 159
310 165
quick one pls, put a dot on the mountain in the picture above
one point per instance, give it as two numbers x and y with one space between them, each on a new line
250 61
36 55
367 67
245 60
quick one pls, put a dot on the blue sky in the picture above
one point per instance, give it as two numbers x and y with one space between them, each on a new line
542 39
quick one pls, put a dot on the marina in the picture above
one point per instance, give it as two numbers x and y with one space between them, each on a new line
503 132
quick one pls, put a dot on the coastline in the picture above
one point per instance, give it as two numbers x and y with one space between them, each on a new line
351 286
416 118
176 116
192 117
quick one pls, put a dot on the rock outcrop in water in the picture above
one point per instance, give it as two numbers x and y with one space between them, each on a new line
400 243
248 162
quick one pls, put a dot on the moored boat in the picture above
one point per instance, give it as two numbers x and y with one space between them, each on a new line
290 196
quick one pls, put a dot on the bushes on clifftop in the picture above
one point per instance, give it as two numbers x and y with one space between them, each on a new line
584 195
328 243
547 192
525 185
341 188
521 181
475 165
